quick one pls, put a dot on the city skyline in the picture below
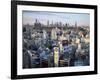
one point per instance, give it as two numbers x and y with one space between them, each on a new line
82 19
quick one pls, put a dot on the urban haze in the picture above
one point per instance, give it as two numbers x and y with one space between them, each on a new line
55 39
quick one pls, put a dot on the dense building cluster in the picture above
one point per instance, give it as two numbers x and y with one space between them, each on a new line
55 45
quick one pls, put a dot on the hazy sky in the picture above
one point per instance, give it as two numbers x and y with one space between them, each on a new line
29 17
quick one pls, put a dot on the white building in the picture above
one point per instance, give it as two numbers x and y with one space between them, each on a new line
54 33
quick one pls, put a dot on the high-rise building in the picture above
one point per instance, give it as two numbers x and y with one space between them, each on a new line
56 56
75 24
48 23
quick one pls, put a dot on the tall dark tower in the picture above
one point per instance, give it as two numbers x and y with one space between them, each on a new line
75 24
48 23
36 21
52 23
76 27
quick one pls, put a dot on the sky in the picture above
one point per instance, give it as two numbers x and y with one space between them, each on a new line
82 19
